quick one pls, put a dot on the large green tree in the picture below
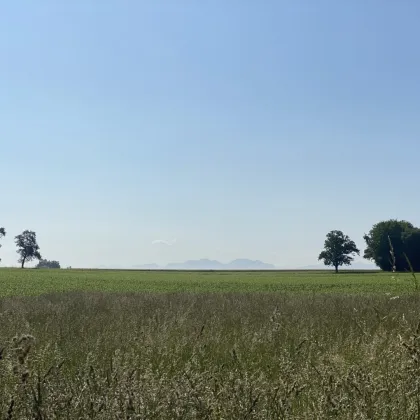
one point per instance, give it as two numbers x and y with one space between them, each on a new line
339 250
2 234
28 248
405 240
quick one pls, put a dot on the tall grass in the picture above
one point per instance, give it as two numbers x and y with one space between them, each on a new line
209 356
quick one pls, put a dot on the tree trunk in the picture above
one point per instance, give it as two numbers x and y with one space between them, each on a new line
336 269
23 262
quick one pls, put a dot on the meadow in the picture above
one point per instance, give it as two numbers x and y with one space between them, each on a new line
17 282
94 344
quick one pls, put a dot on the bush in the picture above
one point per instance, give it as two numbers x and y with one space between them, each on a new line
48 264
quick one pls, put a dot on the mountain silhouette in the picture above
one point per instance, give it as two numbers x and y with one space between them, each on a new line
203 264
245 264
206 264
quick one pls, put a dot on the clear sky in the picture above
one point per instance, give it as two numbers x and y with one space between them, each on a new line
157 131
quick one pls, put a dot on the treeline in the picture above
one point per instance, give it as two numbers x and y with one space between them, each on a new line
28 249
393 245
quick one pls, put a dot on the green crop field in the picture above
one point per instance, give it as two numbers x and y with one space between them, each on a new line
17 282
79 344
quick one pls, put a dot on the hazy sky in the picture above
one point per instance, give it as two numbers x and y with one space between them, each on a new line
158 131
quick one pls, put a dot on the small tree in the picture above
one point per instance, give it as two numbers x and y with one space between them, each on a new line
28 248
48 264
2 234
338 250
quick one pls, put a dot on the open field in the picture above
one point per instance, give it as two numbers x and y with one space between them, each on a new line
314 346
17 282
209 356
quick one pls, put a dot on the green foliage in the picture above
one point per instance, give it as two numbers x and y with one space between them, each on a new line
48 264
2 234
28 248
338 250
405 239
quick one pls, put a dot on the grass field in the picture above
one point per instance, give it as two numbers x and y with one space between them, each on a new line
17 282
205 346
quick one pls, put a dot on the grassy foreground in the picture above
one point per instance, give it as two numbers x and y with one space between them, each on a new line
209 356
314 346
17 282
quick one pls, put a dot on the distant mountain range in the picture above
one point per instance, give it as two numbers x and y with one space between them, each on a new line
238 264
205 264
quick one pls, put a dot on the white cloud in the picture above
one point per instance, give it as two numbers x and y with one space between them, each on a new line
164 242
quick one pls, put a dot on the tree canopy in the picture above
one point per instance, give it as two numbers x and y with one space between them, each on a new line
405 240
2 234
338 250
28 248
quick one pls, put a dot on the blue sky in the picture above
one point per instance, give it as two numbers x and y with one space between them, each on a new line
158 131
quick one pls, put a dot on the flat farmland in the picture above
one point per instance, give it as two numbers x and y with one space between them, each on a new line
104 344
30 282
